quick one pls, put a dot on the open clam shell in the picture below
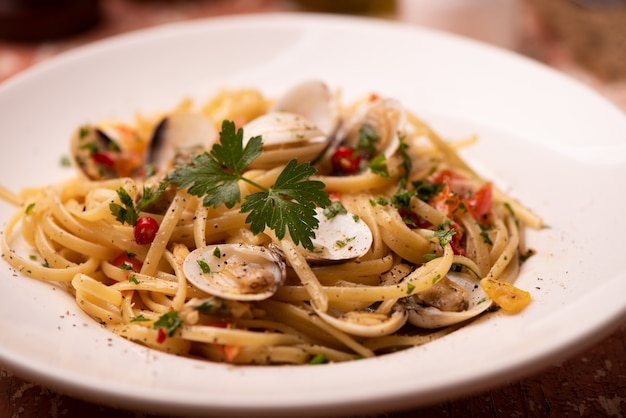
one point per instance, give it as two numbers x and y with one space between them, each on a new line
177 136
314 100
235 271
285 136
338 238
380 122
431 317
105 151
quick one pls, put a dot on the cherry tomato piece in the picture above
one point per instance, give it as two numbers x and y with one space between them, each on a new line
346 160
446 201
478 204
127 262
145 230
104 159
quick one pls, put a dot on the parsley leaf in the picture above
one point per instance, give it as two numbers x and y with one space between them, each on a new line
288 205
215 175
127 213
150 195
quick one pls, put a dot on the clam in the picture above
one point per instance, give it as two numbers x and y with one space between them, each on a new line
177 136
300 124
452 300
105 151
314 100
285 136
339 237
235 271
366 323
374 128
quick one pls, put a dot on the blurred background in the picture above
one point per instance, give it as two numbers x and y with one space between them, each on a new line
584 38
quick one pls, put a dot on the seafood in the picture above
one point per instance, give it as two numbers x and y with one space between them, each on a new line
235 271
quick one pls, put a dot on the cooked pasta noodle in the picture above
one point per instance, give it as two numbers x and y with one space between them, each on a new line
439 234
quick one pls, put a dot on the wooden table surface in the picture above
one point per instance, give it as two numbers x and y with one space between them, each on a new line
590 384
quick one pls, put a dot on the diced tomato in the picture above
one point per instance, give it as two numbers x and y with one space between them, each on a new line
230 350
478 204
145 230
127 163
456 190
446 201
334 196
457 242
104 159
129 260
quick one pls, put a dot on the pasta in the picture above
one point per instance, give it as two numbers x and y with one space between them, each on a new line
176 270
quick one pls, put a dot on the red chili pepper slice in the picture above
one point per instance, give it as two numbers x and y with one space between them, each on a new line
145 230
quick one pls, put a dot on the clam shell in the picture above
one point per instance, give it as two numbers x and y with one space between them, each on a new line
235 271
431 317
285 136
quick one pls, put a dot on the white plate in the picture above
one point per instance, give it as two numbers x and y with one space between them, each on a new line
548 140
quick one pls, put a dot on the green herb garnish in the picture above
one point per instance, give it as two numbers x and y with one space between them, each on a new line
334 209
288 205
29 208
139 318
319 359
170 322
410 287
204 266
128 211
379 166
443 233
367 139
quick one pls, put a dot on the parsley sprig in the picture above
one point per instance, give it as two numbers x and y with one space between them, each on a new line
288 205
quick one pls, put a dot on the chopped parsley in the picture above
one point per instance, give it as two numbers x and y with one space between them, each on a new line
65 161
443 233
170 322
410 287
139 318
29 208
204 266
319 359
379 201
379 166
334 209
367 139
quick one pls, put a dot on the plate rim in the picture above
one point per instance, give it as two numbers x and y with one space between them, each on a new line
96 393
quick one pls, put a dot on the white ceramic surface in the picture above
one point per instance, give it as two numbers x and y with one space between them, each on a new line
546 139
